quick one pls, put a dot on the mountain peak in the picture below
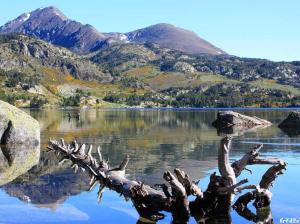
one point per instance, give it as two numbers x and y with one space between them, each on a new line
163 25
49 11
52 25
34 19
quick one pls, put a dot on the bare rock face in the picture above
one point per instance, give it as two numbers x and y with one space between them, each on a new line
17 127
184 67
227 119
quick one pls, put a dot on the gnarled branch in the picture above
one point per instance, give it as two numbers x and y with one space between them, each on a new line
149 202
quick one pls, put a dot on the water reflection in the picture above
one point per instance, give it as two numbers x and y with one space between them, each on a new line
48 184
17 160
235 131
263 215
291 132
155 140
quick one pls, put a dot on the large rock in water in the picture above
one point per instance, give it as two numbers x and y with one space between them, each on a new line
292 120
291 125
227 119
19 142
17 127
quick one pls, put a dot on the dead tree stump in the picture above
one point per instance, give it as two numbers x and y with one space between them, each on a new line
215 201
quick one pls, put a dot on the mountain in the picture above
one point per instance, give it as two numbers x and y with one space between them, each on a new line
51 25
157 66
173 37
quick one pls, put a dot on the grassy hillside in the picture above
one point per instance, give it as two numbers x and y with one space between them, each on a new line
37 74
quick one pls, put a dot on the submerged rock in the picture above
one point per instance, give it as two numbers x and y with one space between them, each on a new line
17 127
230 119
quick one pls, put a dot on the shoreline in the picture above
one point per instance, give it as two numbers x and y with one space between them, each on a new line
168 108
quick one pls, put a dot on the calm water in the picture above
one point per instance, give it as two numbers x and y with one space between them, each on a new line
156 141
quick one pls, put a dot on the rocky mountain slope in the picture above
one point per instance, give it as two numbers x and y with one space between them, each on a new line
34 70
169 36
52 25
121 57
35 73
20 52
180 79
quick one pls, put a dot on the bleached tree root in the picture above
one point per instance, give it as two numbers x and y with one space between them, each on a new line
149 202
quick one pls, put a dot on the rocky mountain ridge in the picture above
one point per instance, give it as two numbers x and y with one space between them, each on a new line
35 73
51 25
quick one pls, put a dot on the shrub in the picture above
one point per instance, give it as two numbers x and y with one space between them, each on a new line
37 102
113 98
74 101
14 78
5 38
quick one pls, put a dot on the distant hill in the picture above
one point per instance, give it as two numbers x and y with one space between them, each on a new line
173 37
52 25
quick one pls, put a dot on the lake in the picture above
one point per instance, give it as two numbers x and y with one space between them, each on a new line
156 141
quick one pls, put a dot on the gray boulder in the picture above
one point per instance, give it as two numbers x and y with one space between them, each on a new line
184 67
19 142
17 127
227 119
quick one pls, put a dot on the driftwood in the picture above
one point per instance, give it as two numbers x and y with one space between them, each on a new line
215 201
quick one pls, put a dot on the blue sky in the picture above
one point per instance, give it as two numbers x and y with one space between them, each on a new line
249 28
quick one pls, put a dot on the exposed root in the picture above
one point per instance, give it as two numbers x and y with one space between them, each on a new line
215 201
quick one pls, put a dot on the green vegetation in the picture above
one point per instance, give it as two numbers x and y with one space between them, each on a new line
273 85
38 74
14 78
5 38
147 99
37 102
241 95
74 100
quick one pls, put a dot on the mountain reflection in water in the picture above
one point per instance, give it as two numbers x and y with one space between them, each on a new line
155 141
